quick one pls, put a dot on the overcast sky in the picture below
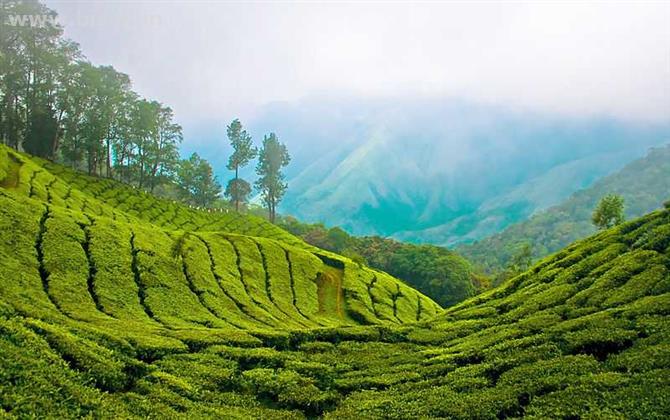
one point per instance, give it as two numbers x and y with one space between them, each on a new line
214 60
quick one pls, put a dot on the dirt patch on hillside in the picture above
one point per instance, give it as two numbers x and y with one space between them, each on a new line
11 179
330 294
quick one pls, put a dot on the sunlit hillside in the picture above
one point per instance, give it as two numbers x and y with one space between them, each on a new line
114 303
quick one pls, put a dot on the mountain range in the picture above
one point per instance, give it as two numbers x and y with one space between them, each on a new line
644 184
441 171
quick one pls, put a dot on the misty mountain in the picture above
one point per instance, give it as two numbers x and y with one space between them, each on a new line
644 184
440 170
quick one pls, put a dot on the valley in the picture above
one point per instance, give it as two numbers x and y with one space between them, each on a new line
118 304
334 210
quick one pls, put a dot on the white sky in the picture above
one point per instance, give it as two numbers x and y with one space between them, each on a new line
213 59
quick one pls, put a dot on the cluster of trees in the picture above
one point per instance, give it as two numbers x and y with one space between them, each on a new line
56 105
438 272
272 157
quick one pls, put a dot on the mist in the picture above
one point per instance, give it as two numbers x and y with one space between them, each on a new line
216 61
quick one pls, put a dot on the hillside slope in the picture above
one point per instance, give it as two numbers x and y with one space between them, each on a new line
439 170
644 184
520 203
584 333
99 251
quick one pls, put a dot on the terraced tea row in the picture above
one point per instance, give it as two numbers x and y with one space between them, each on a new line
61 186
99 259
104 318
104 197
583 334
98 269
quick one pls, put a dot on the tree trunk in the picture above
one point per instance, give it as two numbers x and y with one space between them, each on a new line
141 179
237 195
57 135
109 158
89 161
272 210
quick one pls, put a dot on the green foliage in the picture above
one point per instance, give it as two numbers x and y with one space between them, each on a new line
641 183
36 380
243 149
117 304
272 157
196 181
609 212
4 166
59 106
238 190
522 258
439 273
289 389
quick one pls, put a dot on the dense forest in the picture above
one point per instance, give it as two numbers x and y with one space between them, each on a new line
436 271
57 105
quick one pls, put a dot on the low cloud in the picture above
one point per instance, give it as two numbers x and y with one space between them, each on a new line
219 60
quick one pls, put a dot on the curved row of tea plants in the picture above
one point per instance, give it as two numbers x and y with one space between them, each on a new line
105 316
136 271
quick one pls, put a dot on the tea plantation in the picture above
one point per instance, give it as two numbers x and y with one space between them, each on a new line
114 303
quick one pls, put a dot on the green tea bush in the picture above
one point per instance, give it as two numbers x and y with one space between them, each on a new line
549 375
102 366
4 163
641 358
251 358
34 379
654 280
289 389
116 304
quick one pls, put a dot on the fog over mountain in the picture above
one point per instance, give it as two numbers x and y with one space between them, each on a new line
429 122
441 170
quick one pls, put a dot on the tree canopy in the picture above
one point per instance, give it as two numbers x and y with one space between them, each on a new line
56 105
272 157
609 212
238 189
197 183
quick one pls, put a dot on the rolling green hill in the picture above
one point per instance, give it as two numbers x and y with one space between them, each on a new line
141 257
440 273
117 304
644 184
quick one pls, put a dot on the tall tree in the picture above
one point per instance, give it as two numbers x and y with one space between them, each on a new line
34 59
238 189
107 92
124 145
144 128
196 181
609 212
164 150
272 157
76 102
